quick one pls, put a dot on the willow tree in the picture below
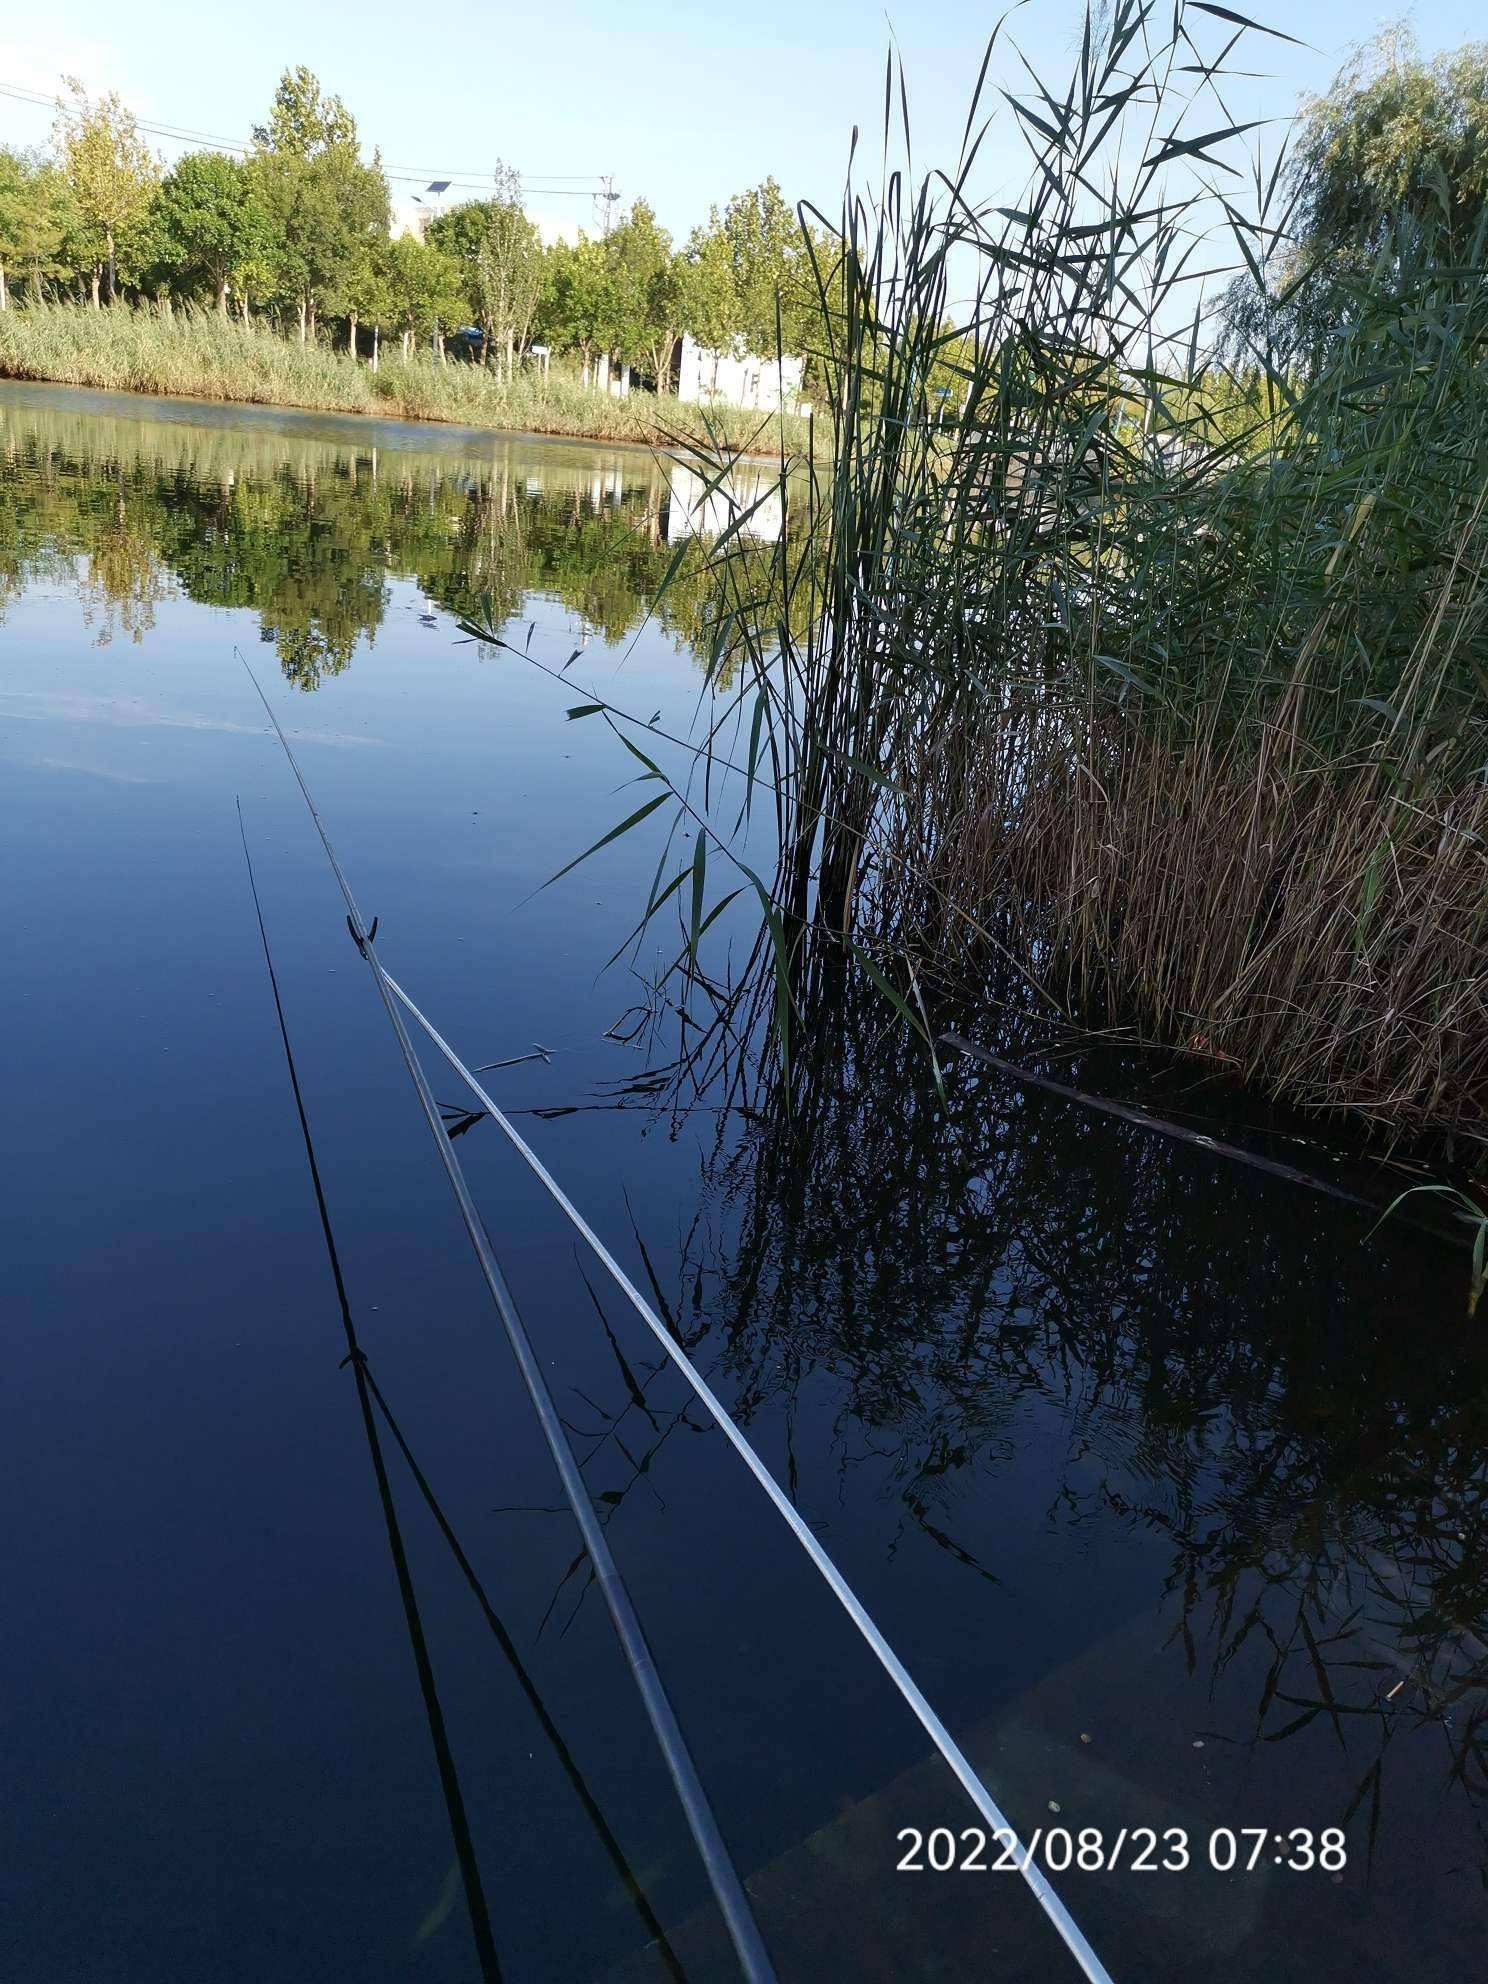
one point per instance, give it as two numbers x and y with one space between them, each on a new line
1389 166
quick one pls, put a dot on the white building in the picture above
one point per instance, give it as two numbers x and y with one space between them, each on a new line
738 378
411 218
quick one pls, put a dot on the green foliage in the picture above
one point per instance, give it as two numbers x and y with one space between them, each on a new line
581 311
35 215
325 206
643 292
1389 168
210 226
197 353
499 256
421 286
301 230
112 176
1158 681
709 302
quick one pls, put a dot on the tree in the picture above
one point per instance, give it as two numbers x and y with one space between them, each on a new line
763 238
209 222
111 172
501 258
422 288
1391 163
580 310
708 304
645 291
34 217
324 203
362 291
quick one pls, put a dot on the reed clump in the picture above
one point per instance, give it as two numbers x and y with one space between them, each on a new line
194 353
1152 670
1308 928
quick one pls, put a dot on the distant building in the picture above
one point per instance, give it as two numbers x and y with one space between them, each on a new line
411 218
762 385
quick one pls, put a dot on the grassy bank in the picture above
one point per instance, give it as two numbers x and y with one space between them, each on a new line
196 354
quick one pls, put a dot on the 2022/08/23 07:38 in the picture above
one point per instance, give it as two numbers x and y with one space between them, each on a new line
1134 1849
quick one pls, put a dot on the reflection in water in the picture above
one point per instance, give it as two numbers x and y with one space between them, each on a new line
306 532
748 499
1002 1347
1237 1367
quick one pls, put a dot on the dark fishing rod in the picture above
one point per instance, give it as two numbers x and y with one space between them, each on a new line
475 1900
525 1682
723 1877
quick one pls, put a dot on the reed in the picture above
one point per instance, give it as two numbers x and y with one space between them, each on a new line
194 353
1153 674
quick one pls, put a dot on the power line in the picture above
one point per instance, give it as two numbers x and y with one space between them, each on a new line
547 185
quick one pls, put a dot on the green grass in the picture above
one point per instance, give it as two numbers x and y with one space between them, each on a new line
196 354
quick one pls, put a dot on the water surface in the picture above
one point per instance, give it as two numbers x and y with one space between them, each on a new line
1164 1477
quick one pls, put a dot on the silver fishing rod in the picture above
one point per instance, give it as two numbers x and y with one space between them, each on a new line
723 1877
1065 1925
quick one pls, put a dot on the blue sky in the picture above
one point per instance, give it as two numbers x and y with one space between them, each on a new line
684 104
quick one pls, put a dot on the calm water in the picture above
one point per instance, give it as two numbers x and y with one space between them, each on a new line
1165 1478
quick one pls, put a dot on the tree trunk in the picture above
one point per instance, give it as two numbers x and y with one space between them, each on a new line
302 316
351 344
376 339
312 320
222 296
4 292
94 280
108 242
439 343
407 340
585 350
243 303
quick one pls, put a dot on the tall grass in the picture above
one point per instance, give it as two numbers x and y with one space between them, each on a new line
198 354
1160 680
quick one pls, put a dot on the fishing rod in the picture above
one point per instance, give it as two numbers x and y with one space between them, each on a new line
503 1638
1068 1930
475 1900
723 1877
525 1682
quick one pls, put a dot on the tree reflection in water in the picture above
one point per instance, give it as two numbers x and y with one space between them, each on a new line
306 532
1290 1400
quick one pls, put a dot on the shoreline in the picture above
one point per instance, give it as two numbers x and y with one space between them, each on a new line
427 423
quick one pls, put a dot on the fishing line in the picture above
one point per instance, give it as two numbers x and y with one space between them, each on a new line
723 1877
475 1900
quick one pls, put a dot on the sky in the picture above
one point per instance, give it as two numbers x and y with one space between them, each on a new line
682 104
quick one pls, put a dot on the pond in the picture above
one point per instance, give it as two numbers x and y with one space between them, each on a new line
1163 1475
